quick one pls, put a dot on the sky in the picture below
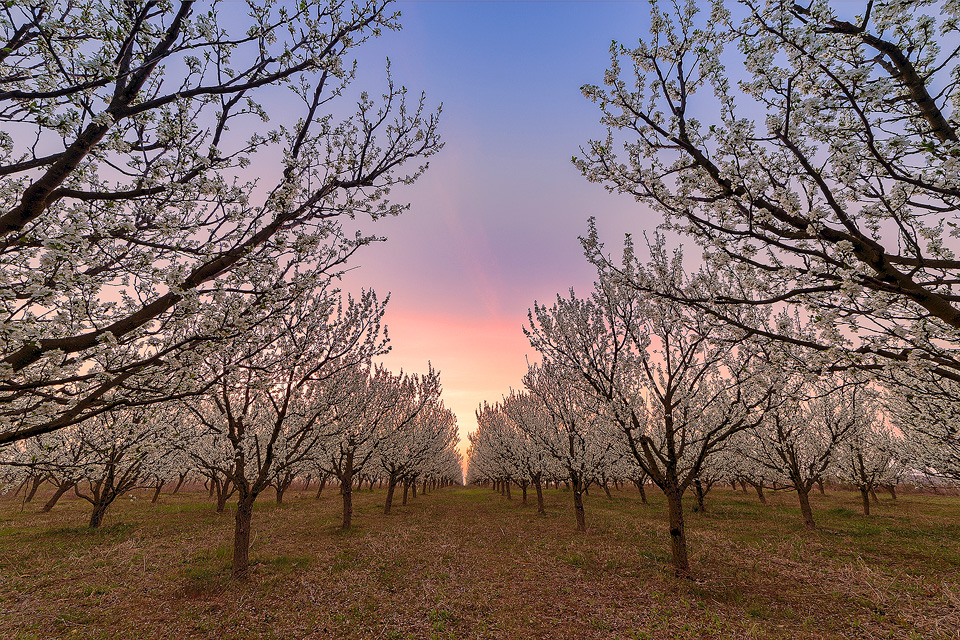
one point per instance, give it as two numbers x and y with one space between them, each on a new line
494 223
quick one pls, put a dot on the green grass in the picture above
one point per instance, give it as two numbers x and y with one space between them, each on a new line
467 563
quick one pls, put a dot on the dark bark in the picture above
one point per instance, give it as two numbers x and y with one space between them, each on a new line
865 499
183 476
606 490
241 537
578 505
678 536
536 483
523 487
37 481
391 486
759 488
803 493
52 502
892 490
698 490
156 491
99 511
406 489
224 489
643 492
346 490
323 483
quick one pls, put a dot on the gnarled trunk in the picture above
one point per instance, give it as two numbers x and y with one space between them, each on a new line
37 481
241 537
100 509
892 490
578 505
61 489
865 499
346 490
643 492
537 484
156 491
391 486
803 493
678 535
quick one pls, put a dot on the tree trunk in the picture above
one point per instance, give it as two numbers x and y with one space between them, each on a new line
156 492
323 483
406 489
759 487
37 481
892 490
99 511
820 487
346 489
578 506
643 493
51 503
413 486
865 499
523 487
678 535
391 485
698 490
507 484
873 496
537 483
241 538
606 490
223 494
183 476
803 493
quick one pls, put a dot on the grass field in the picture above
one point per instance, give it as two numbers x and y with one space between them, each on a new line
467 563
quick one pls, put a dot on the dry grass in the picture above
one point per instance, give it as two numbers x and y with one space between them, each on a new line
466 563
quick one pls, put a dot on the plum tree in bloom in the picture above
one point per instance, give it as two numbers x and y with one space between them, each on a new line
271 400
530 416
573 429
416 443
672 379
924 407
128 205
824 180
504 445
870 456
800 439
373 407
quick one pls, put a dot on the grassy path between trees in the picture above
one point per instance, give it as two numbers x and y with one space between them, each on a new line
467 563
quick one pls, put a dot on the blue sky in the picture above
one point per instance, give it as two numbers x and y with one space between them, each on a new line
494 223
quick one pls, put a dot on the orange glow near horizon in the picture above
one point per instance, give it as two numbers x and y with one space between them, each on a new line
478 358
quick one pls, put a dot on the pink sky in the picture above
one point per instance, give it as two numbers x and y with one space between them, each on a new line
494 222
